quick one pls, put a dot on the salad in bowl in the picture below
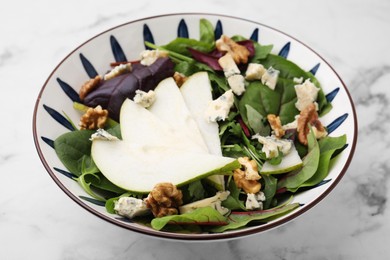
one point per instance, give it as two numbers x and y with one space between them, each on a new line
204 134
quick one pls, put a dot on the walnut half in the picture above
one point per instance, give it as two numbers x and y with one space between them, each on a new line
239 52
276 125
309 117
94 118
164 199
247 177
88 86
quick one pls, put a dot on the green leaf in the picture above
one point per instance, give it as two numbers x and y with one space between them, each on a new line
88 166
328 145
206 31
257 122
73 148
290 70
233 150
86 185
270 186
201 216
181 45
296 179
261 52
196 190
241 219
233 201
219 84
261 98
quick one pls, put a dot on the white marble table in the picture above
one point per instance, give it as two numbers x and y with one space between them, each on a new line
38 221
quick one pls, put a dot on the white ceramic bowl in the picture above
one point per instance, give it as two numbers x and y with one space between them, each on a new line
95 55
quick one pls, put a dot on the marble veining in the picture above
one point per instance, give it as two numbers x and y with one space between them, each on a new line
350 223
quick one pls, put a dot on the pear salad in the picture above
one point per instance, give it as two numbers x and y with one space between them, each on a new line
200 136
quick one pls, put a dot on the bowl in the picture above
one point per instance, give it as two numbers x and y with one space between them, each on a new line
54 106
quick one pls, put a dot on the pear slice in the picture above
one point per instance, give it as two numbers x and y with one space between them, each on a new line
152 152
140 126
290 162
196 92
138 168
171 108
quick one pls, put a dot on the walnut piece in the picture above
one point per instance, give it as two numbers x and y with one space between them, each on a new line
247 177
250 168
164 199
94 118
88 86
179 78
309 116
239 52
276 125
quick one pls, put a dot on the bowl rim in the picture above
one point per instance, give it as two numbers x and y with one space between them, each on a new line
196 237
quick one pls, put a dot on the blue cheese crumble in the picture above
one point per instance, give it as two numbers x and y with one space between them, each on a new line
148 57
228 65
272 145
307 93
270 77
237 84
254 71
255 201
219 108
145 99
130 207
118 70
102 134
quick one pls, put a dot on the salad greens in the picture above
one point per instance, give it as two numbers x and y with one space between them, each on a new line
247 117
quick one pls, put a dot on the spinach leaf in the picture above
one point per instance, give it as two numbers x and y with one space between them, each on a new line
261 98
74 151
257 122
74 148
280 101
206 31
233 201
181 45
201 216
86 185
219 84
196 190
261 52
296 179
290 70
328 145
270 185
233 150
241 219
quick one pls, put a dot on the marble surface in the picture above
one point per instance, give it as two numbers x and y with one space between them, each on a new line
38 221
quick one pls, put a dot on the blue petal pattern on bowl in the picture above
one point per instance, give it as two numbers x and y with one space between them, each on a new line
336 123
218 31
117 51
255 35
66 173
69 91
285 50
48 141
331 95
182 31
148 36
91 71
59 118
314 69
